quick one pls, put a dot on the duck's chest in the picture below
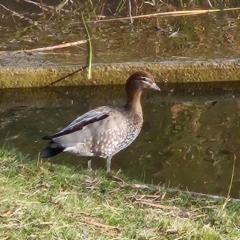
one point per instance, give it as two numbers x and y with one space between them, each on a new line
119 137
128 133
133 128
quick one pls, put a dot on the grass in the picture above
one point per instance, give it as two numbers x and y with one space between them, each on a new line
46 201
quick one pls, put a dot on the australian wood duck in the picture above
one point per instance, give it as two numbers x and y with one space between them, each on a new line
104 131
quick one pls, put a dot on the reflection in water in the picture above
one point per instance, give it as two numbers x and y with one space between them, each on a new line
189 139
212 36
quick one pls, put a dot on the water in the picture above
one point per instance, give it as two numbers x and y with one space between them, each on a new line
209 36
189 139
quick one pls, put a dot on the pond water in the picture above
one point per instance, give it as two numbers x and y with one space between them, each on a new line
190 137
209 36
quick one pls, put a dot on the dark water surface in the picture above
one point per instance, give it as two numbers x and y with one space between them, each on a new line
210 36
190 137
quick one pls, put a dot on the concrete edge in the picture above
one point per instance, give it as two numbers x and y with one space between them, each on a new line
117 73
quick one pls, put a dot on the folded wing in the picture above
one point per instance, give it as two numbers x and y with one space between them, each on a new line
81 122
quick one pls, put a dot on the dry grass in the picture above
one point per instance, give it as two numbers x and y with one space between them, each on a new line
45 201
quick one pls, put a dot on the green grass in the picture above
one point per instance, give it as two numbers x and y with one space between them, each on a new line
46 201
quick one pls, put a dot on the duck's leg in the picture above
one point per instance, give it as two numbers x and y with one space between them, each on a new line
89 163
109 164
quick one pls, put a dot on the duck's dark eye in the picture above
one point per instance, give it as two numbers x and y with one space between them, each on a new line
145 79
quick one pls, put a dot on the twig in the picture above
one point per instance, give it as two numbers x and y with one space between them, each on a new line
157 205
44 7
61 5
41 5
165 14
203 196
230 185
98 224
130 11
70 74
176 191
233 171
63 45
14 13
209 3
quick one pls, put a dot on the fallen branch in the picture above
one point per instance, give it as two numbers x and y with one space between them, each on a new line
202 195
165 14
156 205
98 224
51 48
216 198
62 78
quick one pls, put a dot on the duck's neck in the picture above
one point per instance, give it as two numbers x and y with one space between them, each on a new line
134 102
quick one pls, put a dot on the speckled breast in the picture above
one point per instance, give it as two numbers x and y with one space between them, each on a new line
113 140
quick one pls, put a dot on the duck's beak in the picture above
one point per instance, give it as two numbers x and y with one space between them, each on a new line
155 86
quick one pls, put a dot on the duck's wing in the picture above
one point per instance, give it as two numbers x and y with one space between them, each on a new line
90 117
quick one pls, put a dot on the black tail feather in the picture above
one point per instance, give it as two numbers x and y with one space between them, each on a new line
47 138
51 151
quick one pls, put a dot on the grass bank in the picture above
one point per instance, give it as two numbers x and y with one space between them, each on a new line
46 201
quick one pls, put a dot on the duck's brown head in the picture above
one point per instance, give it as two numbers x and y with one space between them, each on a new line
134 87
139 80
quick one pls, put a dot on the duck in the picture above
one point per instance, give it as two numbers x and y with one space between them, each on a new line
106 130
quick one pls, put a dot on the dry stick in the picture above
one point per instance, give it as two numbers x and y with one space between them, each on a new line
175 191
63 45
233 170
98 224
165 14
210 4
130 11
70 74
230 186
200 195
40 5
14 13
61 5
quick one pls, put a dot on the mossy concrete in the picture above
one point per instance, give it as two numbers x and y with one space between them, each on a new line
105 74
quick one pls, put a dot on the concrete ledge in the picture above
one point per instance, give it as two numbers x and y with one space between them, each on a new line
116 73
